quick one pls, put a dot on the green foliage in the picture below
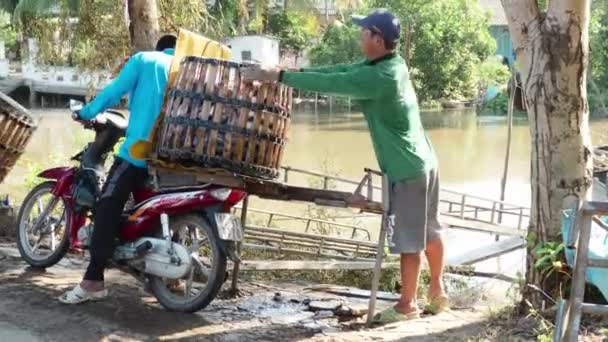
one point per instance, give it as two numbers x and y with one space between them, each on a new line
98 38
292 29
227 14
101 38
187 14
491 72
550 258
444 42
20 8
260 16
9 5
542 4
597 101
53 36
31 177
598 78
455 33
339 44
34 168
598 31
498 105
7 31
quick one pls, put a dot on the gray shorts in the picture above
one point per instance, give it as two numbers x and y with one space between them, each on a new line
414 213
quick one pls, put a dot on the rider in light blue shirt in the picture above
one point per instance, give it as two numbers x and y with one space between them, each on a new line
144 78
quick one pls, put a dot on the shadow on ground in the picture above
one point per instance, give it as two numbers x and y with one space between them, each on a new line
28 300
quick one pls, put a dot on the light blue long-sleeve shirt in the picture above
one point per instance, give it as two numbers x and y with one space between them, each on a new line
144 77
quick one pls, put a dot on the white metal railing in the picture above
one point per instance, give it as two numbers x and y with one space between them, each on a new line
454 203
273 216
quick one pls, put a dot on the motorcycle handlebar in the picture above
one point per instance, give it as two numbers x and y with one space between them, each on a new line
97 122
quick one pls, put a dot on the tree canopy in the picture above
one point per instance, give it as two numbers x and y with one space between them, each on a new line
444 42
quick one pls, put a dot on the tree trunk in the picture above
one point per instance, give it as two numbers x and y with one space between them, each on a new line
407 47
552 52
243 16
143 26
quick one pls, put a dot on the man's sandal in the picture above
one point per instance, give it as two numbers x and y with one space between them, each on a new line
438 304
79 295
391 315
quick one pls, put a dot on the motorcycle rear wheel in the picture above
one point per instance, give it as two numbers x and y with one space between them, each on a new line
208 266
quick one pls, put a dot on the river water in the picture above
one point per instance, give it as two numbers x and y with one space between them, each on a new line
471 153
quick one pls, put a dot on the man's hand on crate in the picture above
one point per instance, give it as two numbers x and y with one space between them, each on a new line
261 73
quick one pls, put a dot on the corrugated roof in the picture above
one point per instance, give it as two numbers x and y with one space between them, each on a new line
499 18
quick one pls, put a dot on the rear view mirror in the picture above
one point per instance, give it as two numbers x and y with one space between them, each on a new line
75 105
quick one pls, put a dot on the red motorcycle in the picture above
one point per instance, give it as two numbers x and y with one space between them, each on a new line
176 240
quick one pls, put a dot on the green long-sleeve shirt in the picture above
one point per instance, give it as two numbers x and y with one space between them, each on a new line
386 94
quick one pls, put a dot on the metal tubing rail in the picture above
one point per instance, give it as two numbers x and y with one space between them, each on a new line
288 169
570 311
497 207
308 221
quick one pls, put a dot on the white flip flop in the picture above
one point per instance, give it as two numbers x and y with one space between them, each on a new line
79 295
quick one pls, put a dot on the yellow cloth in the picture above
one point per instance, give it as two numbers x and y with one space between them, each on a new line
188 44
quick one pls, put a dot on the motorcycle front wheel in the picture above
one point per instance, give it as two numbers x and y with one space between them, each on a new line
195 291
42 227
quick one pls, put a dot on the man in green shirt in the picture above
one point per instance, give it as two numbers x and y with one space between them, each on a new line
382 87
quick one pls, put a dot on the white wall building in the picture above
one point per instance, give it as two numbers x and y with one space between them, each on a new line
59 79
254 48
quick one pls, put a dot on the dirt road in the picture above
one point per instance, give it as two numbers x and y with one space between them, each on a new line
29 311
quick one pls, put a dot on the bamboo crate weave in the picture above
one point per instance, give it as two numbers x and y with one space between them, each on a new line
16 129
214 119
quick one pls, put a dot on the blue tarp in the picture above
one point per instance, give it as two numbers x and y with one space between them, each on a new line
598 249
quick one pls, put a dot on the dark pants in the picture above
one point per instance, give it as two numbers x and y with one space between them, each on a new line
123 179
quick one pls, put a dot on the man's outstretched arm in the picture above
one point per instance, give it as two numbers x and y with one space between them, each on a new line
362 82
113 92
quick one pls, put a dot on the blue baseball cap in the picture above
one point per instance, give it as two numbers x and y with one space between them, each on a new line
381 21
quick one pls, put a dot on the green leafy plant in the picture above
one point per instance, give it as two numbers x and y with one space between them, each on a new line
444 41
291 28
7 31
598 66
499 105
491 73
550 259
